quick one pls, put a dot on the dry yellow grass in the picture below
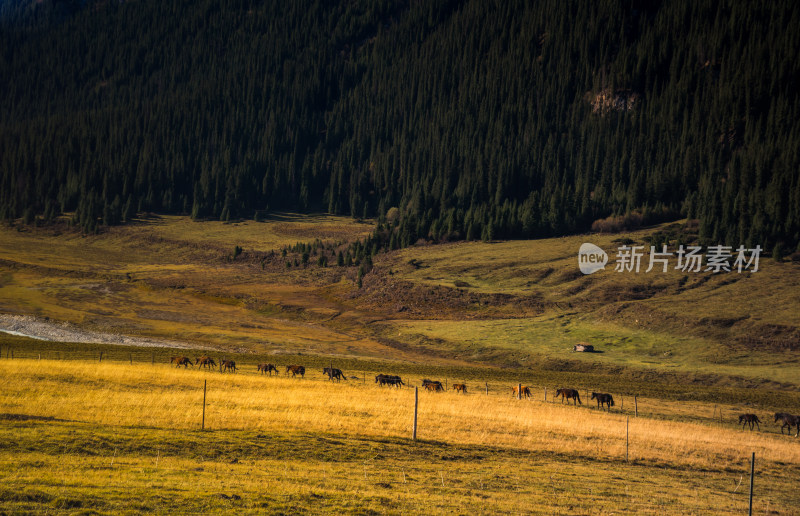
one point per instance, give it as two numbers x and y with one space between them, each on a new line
156 279
278 230
130 441
165 397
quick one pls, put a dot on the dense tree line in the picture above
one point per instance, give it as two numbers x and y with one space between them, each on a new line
476 119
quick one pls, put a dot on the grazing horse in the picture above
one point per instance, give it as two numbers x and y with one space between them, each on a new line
433 386
333 372
460 387
603 399
267 368
205 361
181 361
227 365
569 394
389 379
437 385
295 370
750 419
788 420
526 391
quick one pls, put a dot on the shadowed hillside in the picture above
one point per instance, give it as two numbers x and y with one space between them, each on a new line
476 120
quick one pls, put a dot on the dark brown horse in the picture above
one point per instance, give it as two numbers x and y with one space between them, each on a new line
603 399
749 419
334 373
460 387
181 361
205 361
526 392
267 368
569 394
788 421
295 370
390 380
227 365
436 383
433 386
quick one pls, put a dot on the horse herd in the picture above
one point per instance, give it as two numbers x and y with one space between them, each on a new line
786 420
263 368
604 400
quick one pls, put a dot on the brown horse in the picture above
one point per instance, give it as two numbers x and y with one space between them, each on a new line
603 399
433 386
460 387
569 394
267 368
390 380
436 383
526 392
788 421
205 361
750 419
181 361
295 370
333 372
227 365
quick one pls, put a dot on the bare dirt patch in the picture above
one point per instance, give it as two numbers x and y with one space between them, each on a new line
62 332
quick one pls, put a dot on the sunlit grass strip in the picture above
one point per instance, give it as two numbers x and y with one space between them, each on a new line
165 397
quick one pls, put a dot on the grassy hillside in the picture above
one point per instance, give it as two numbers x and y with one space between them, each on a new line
518 304
730 324
171 278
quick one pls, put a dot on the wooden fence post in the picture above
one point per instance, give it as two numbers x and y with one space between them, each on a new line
752 474
203 424
101 356
416 405
519 391
545 394
130 355
622 400
635 406
487 388
627 423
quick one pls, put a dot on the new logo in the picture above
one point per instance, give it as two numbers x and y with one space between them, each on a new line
591 258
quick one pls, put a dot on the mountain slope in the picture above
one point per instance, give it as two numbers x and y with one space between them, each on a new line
476 120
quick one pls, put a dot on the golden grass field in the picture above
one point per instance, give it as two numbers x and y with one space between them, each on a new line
84 436
671 321
172 278
492 453
168 277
